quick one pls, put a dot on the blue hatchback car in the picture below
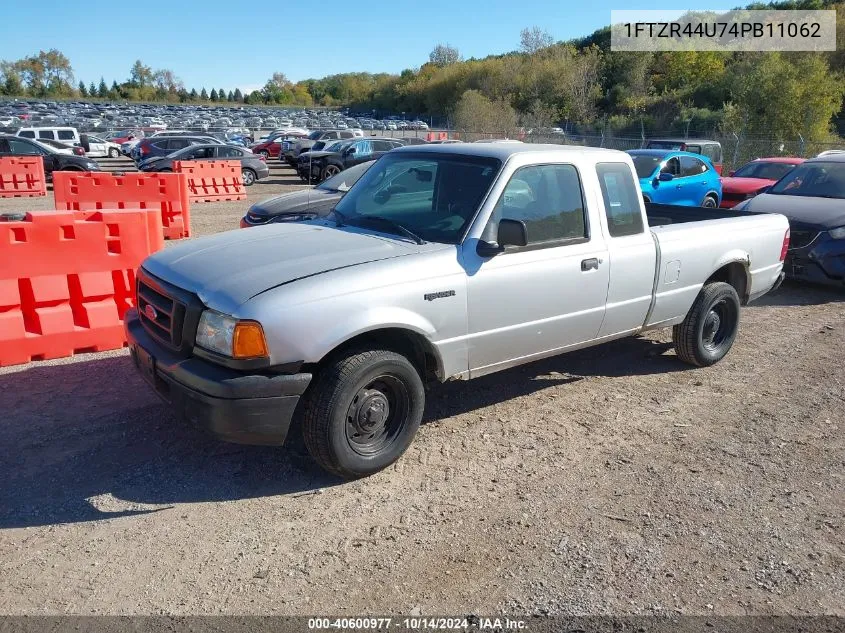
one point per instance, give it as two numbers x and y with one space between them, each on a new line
670 177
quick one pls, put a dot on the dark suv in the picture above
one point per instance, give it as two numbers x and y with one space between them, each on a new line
303 145
156 146
53 160
322 165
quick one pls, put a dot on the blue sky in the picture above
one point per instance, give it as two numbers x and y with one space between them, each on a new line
224 44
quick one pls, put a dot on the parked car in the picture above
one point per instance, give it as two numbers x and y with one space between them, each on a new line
152 147
253 166
69 135
812 197
711 149
53 159
99 147
306 204
304 144
443 262
63 148
683 178
322 165
754 178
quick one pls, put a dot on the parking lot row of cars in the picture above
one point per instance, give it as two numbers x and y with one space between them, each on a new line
100 117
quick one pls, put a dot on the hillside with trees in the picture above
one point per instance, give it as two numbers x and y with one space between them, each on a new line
581 85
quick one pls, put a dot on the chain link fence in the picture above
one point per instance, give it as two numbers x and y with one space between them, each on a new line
736 150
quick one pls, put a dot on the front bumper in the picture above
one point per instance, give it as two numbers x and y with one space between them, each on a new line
822 261
234 406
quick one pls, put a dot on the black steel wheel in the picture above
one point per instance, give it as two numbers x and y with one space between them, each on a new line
708 332
362 411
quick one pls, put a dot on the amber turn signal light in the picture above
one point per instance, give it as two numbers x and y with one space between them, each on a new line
248 341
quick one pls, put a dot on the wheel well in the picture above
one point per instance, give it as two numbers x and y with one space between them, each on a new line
410 344
735 274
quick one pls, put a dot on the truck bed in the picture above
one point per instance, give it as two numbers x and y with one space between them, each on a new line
665 214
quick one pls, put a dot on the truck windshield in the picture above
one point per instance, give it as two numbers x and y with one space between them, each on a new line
817 180
435 196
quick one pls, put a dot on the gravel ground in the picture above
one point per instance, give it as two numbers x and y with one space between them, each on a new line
614 480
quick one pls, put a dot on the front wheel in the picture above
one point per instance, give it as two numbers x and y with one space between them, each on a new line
362 411
329 171
249 177
710 327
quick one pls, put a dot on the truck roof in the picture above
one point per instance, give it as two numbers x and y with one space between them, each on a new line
503 151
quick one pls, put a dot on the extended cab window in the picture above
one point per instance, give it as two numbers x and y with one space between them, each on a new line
48 134
27 134
548 199
621 200
66 135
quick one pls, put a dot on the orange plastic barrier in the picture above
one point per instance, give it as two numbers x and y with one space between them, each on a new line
212 180
22 177
167 193
67 278
437 136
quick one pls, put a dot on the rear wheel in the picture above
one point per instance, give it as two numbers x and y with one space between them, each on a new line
362 411
114 152
249 177
710 202
710 327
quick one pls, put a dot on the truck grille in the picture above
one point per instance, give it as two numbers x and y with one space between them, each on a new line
162 316
801 238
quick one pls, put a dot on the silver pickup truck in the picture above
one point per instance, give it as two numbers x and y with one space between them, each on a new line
441 263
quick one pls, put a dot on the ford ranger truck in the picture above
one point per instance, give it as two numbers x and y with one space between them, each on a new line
443 262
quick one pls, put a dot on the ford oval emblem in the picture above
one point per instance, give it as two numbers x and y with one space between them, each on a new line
150 312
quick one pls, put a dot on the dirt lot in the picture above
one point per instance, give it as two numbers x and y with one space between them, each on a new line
612 480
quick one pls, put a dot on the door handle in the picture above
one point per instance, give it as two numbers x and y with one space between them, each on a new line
590 264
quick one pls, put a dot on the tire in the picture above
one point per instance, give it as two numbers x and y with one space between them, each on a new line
113 153
709 329
710 202
329 171
249 177
343 423
265 154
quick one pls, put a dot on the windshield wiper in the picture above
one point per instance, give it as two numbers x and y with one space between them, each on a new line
377 219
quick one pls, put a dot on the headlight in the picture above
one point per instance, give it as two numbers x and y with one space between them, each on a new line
230 337
838 234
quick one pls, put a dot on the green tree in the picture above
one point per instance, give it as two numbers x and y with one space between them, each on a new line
193 96
140 76
231 97
83 89
476 114
238 96
12 81
221 94
92 90
534 40
103 89
213 95
203 94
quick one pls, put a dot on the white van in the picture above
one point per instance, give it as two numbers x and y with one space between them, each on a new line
68 135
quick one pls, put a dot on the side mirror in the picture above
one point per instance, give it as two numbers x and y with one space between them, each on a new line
511 233
664 177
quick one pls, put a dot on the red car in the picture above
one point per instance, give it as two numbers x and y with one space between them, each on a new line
271 147
752 178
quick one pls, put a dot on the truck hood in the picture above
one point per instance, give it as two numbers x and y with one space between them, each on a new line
823 213
227 269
